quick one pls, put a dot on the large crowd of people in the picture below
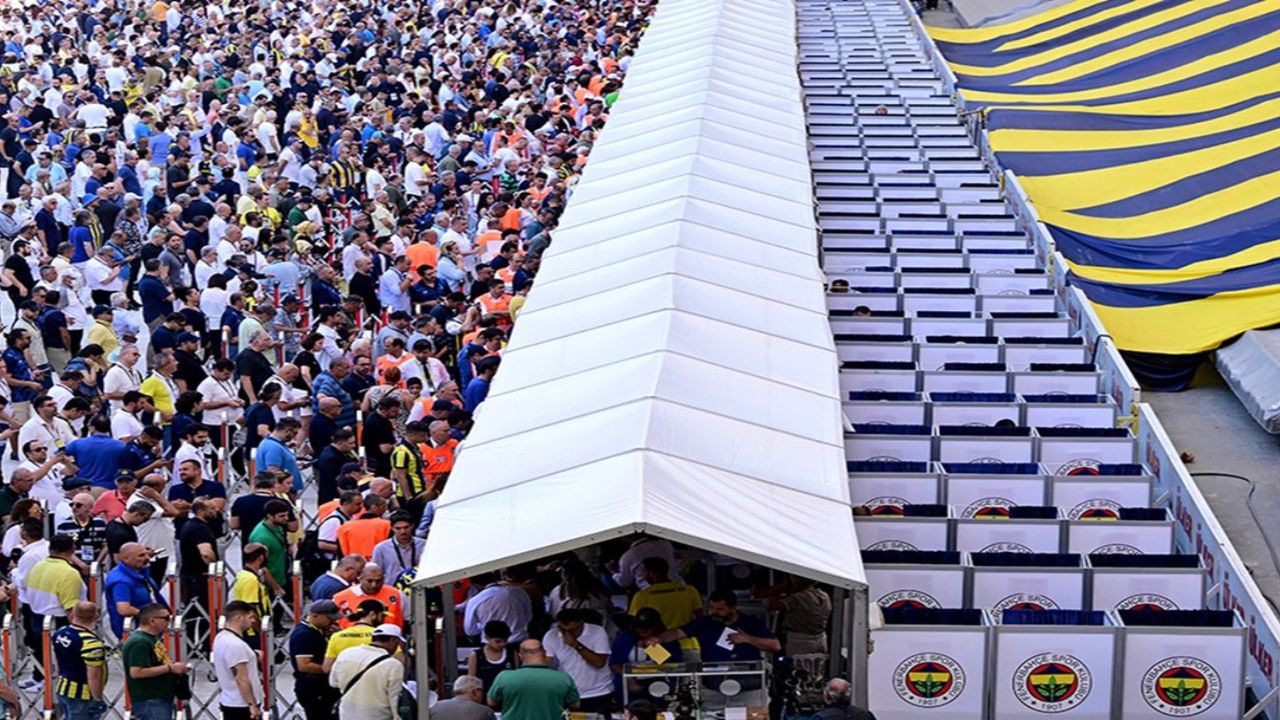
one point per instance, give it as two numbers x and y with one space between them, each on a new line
261 261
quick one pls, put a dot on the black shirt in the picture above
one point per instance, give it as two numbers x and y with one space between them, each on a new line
251 509
255 366
327 468
363 285
190 369
207 489
195 532
307 640
257 414
119 533
378 431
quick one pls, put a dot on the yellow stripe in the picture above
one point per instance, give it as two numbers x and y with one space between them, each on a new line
1022 140
1199 99
1058 31
935 676
1191 327
1104 185
981 35
1204 209
1149 46
1119 32
1060 678
1261 252
1175 682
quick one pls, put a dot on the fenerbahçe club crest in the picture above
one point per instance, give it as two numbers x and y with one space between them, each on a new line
928 680
1052 683
1181 686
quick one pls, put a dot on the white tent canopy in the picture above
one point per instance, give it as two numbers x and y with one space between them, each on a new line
673 371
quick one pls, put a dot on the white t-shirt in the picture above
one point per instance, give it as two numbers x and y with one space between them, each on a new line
94 115
229 652
125 425
121 379
591 681
218 390
96 274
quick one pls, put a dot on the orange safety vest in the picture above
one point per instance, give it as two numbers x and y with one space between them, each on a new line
511 219
421 253
348 600
386 361
508 276
487 238
438 459
360 536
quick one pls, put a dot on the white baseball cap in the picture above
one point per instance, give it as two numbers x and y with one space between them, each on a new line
388 630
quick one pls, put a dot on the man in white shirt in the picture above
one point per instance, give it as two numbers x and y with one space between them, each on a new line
498 601
629 570
582 650
375 694
222 403
45 426
393 286
122 376
125 424
236 664
101 278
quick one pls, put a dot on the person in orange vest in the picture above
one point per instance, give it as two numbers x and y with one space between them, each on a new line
497 303
371 587
393 357
426 251
359 536
438 453
508 274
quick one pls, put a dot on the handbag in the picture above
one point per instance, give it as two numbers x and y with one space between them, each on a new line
338 703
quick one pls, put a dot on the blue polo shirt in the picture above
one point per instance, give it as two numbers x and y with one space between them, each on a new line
272 452
19 369
476 392
124 584
98 457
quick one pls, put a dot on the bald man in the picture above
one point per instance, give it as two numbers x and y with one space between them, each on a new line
534 685
838 697
82 664
129 586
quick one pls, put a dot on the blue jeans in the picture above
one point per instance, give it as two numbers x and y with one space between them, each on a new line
153 709
82 709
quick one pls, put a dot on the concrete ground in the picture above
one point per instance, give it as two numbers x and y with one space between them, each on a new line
977 13
1209 422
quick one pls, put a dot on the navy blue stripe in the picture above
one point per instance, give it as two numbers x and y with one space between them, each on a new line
1220 238
1184 190
1002 118
1248 65
1164 59
949 48
1031 164
1264 274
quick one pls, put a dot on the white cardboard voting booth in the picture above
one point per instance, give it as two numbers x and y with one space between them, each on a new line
1048 670
930 671
1189 671
1000 588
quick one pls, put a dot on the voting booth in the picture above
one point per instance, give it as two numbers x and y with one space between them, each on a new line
992 445
1059 661
1026 581
1015 529
1070 411
919 527
1146 582
916 579
1086 496
1182 663
1079 451
888 408
989 490
884 488
889 443
930 664
1136 531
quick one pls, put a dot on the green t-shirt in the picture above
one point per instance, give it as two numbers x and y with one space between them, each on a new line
277 549
533 692
145 650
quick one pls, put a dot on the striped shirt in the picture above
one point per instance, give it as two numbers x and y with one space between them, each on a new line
77 650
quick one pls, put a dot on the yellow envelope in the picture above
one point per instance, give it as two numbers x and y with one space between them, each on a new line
658 654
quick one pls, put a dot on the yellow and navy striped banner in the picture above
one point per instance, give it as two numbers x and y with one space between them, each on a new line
1147 135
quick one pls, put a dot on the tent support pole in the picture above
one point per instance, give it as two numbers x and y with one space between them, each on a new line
422 647
450 620
859 643
836 645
